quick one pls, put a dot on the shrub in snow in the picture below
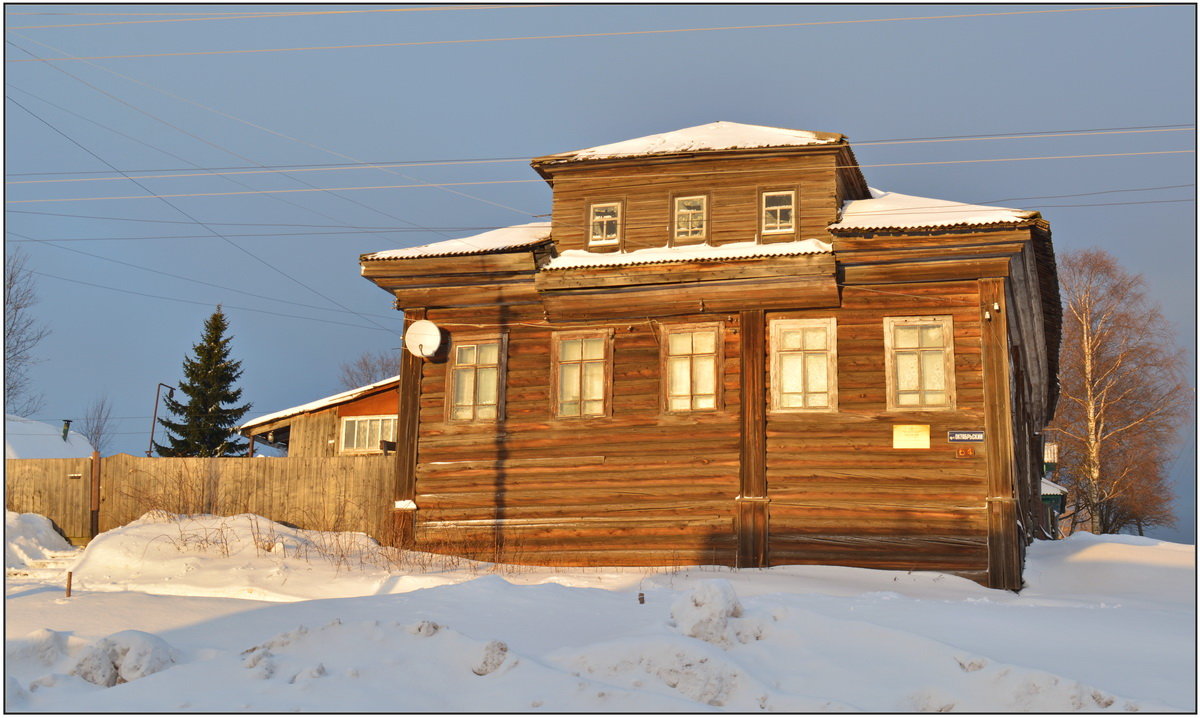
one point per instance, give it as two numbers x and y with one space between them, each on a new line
122 657
493 657
29 537
705 613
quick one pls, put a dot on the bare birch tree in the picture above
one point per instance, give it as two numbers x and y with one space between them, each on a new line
96 425
370 368
22 334
1123 395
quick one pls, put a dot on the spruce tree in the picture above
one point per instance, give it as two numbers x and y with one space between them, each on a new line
205 421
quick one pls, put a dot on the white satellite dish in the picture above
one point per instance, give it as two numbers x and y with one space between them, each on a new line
423 338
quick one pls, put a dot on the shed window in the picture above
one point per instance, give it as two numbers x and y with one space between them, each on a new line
691 368
803 365
476 379
606 223
920 362
690 216
581 371
778 211
363 433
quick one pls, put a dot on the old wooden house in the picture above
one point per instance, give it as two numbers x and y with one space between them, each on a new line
358 421
725 348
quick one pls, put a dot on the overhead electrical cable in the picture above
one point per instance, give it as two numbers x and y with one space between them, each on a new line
566 179
272 15
343 168
575 36
210 229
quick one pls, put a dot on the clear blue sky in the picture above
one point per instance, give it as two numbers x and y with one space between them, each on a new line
286 263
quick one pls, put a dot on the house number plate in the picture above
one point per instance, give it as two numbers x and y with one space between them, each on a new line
956 437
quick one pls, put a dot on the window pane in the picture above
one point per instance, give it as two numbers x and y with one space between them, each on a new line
933 370
679 376
704 377
704 342
779 199
694 204
907 378
489 353
488 390
568 382
593 348
931 335
569 350
679 403
486 412
568 408
791 373
348 434
791 401
791 340
820 399
593 380
464 387
705 402
907 337
907 399
816 369
935 398
814 338
593 408
466 354
679 343
372 434
461 413
389 429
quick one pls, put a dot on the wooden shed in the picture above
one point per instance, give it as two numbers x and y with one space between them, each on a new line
724 348
354 422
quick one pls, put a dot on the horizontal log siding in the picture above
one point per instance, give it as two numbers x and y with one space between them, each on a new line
840 494
732 186
636 488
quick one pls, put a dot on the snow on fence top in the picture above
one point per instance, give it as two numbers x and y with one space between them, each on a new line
714 136
891 210
576 258
497 240
328 401
29 439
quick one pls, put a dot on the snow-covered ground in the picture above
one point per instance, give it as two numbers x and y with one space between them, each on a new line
240 614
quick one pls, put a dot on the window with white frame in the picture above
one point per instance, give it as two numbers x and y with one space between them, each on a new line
778 211
803 365
920 362
581 374
692 359
476 380
605 223
363 433
690 216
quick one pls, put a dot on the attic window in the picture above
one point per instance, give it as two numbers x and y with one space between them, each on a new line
605 223
778 211
690 216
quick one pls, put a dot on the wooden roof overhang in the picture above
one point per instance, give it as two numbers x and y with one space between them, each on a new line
501 276
961 252
667 288
279 423
849 173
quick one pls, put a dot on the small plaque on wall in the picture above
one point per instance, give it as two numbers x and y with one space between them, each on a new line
910 436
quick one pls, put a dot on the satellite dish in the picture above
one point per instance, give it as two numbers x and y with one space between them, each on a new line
423 338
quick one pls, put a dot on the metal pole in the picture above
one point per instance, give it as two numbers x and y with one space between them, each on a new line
154 416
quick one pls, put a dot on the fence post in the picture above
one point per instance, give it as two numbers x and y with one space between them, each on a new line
94 503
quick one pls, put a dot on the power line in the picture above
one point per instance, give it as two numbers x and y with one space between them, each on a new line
269 15
626 33
369 166
567 179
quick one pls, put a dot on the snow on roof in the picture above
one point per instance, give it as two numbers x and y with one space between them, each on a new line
496 240
711 137
890 210
328 401
576 258
1049 488
29 439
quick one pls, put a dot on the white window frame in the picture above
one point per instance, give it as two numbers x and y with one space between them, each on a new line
383 418
605 335
890 350
718 353
452 374
778 327
778 229
682 234
604 240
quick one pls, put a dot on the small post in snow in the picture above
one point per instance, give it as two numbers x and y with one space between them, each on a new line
68 584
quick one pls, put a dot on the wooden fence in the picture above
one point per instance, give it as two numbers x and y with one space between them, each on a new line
342 493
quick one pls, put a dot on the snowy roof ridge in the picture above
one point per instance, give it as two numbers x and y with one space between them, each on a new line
328 401
32 439
496 240
892 210
712 137
579 258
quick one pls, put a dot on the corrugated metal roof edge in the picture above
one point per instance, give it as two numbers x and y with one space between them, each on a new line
325 403
498 250
683 259
1027 222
